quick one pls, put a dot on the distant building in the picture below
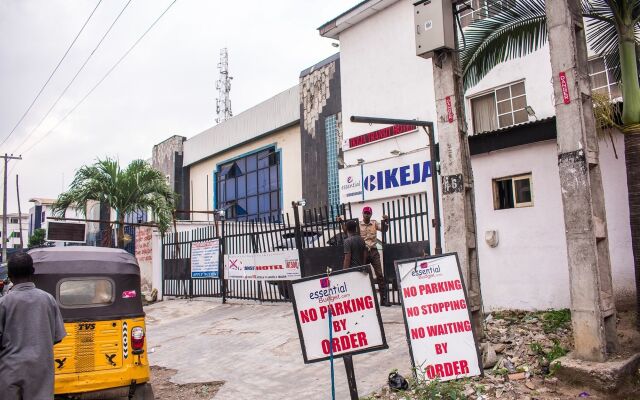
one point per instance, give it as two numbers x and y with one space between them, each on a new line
14 222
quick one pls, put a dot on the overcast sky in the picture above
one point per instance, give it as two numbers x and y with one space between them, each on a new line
165 86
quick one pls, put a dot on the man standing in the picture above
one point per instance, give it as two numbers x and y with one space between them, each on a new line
369 231
30 324
355 250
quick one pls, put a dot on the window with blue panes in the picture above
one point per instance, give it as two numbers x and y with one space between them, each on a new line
249 187
331 133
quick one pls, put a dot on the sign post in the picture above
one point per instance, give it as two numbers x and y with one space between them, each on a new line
442 343
348 298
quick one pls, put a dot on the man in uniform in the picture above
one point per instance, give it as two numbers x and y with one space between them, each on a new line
30 324
369 231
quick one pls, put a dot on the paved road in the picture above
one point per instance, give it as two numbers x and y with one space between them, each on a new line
255 349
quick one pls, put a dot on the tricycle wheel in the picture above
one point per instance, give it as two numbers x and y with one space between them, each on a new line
144 392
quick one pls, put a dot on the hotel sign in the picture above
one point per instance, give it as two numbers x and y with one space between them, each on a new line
380 134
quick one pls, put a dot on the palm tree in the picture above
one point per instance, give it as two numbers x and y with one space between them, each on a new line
138 187
515 28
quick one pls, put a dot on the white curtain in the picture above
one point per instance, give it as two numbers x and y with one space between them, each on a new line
483 109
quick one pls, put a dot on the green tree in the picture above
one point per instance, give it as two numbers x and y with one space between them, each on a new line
137 187
38 238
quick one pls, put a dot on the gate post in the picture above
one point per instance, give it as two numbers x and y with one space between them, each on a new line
298 235
222 251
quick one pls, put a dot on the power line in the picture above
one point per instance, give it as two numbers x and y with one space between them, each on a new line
74 77
102 79
51 76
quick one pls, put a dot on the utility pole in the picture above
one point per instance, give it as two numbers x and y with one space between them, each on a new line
458 203
19 213
4 204
593 313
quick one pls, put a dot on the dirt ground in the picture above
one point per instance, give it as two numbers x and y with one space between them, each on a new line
164 389
525 343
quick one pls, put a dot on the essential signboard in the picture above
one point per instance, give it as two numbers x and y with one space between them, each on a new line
441 340
272 266
205 259
406 174
70 232
356 325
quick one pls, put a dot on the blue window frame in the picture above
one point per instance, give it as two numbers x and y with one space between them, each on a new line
248 188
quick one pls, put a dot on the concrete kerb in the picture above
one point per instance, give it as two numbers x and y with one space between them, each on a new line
605 376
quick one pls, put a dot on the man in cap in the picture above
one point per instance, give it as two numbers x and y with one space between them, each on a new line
30 324
369 231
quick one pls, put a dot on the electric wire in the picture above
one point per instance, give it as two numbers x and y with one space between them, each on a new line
51 75
102 79
86 61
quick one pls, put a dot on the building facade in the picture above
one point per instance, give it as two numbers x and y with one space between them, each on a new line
16 225
520 224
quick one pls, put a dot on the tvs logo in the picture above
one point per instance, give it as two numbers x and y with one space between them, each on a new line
292 264
350 179
424 265
233 264
324 283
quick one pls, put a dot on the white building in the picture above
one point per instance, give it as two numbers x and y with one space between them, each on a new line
511 147
14 224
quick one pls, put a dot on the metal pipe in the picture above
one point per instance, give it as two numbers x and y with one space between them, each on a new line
428 127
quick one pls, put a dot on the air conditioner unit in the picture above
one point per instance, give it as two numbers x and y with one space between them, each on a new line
434 26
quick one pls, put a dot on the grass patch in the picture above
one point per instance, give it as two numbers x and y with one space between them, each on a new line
435 389
554 320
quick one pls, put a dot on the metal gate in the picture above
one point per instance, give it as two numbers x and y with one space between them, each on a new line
408 236
318 238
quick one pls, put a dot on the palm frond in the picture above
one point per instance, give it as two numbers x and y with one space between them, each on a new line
511 33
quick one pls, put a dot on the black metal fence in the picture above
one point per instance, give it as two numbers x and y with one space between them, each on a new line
315 232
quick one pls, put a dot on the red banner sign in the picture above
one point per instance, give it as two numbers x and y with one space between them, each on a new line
449 109
565 88
380 134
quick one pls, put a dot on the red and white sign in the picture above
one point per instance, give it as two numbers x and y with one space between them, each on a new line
272 266
380 134
449 109
565 88
439 331
356 325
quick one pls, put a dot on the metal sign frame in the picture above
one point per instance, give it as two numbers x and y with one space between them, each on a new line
66 223
362 268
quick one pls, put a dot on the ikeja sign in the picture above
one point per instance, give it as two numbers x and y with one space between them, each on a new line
406 174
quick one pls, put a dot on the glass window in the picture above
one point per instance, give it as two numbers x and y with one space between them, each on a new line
263 180
252 205
252 162
89 292
500 108
273 177
264 202
249 184
252 183
602 79
512 192
242 186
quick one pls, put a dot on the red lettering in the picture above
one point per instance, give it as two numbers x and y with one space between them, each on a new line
308 315
418 333
413 311
362 338
464 367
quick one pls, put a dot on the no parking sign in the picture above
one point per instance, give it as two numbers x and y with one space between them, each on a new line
441 340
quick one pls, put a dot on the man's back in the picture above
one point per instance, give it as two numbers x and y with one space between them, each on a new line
355 245
30 324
